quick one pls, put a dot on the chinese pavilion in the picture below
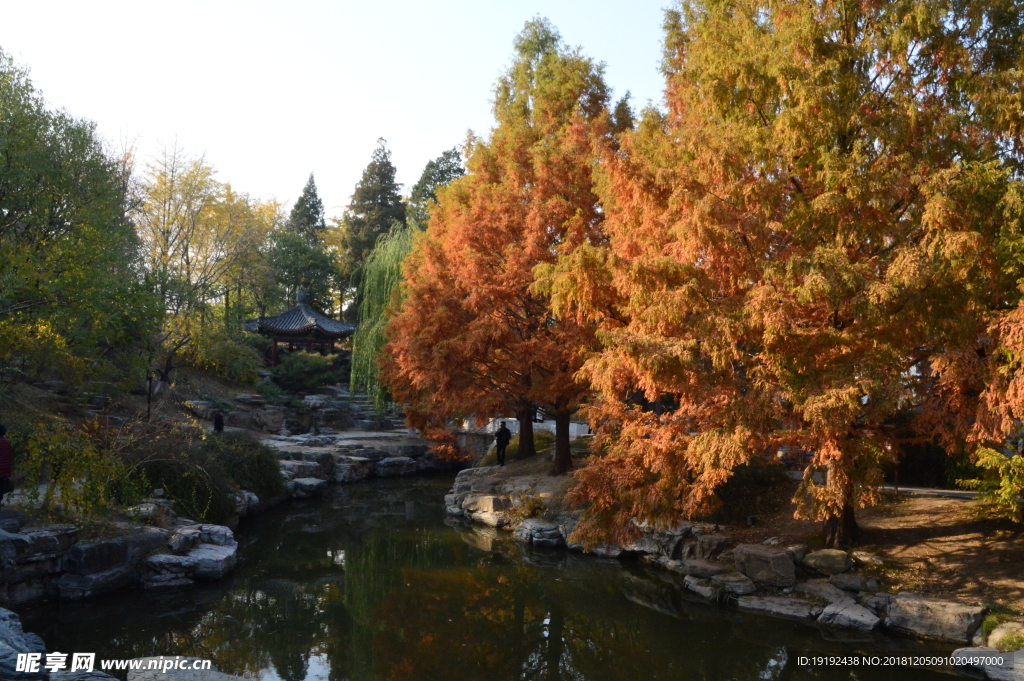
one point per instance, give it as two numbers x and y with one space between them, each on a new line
300 328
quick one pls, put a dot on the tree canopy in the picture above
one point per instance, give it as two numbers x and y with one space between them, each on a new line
307 216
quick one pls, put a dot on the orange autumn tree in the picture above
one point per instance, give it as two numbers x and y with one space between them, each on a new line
809 224
471 338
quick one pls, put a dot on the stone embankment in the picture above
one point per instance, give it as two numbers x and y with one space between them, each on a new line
310 462
827 587
52 563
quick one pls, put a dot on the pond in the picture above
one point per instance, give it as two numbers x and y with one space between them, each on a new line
373 582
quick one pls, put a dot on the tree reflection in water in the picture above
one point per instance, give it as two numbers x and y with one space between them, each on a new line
366 585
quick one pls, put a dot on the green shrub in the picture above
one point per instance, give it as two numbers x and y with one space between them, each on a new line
1003 483
229 359
269 390
202 476
305 372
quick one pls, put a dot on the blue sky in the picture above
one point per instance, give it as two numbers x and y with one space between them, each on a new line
271 91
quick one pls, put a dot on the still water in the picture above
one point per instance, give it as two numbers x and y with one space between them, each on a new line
373 582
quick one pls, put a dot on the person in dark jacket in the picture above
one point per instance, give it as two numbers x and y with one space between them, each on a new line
218 422
6 463
501 438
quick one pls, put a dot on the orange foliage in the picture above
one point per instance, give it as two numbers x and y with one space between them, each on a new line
472 336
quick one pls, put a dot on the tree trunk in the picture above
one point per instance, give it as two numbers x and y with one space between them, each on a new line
563 455
841 530
526 446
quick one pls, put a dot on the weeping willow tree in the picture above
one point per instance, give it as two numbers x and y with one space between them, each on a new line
382 273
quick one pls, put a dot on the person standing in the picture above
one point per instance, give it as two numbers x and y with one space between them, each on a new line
6 463
218 422
501 438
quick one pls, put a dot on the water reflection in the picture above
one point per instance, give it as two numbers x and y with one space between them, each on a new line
371 583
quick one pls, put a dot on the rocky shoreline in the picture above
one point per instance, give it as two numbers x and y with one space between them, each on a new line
825 588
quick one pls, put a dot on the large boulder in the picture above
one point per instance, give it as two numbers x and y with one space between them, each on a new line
486 503
394 466
305 488
820 588
92 557
489 518
14 641
270 419
991 663
928 618
324 462
780 606
828 561
699 567
734 583
535 532
352 468
1003 630
710 545
765 564
665 543
212 561
300 469
849 615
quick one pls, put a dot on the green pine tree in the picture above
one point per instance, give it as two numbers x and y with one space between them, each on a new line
307 216
436 174
376 204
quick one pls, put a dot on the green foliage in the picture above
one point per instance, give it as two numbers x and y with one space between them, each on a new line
375 205
437 173
382 275
202 476
1003 483
77 472
305 372
270 390
299 265
69 269
1011 642
226 357
307 216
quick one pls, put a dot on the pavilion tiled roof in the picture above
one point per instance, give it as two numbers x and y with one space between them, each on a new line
301 321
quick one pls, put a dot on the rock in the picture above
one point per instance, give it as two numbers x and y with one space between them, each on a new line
797 552
710 545
324 462
395 466
46 543
306 488
14 640
86 558
486 503
183 538
489 518
734 583
780 606
848 615
1010 669
251 400
823 590
1003 630
701 587
848 582
270 419
865 558
213 561
928 618
300 469
216 534
699 567
536 532
875 602
828 561
352 468
607 551
765 564
485 485
11 520
660 542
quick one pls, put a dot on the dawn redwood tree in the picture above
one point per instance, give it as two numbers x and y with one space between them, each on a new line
809 227
472 336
